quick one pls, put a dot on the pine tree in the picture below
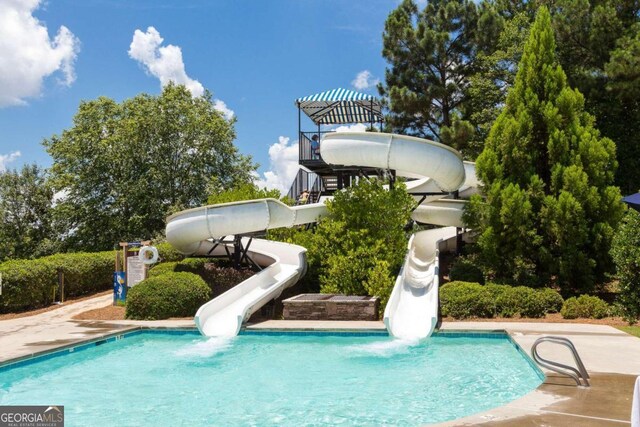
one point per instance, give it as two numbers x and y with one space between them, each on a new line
549 208
432 54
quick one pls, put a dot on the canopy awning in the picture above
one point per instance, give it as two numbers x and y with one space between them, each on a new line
341 106
633 201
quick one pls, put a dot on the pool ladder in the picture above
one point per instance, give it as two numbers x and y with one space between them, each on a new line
578 374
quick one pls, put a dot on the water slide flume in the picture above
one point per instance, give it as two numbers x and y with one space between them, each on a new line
412 309
193 232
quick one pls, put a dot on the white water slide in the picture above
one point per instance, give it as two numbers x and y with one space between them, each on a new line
412 310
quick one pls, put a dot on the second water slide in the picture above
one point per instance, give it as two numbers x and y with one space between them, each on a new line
412 310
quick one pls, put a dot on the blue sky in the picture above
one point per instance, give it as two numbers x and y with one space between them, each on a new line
255 56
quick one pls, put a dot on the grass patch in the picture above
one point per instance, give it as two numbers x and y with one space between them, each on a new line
633 330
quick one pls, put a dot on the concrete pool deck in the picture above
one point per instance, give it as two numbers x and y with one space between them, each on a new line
611 356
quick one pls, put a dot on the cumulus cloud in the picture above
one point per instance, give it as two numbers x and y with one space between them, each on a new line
283 166
222 107
358 127
364 80
165 63
7 158
28 55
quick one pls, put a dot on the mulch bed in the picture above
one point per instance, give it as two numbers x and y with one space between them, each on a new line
111 312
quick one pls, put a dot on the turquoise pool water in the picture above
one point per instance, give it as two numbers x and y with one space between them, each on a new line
161 379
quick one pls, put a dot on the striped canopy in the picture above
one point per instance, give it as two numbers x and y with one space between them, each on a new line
341 106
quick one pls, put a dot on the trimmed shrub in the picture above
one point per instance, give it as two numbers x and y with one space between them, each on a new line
193 265
168 295
30 284
461 300
464 270
167 253
219 279
584 306
162 268
497 300
553 301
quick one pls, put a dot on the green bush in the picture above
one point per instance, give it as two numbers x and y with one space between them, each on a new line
193 265
167 253
218 278
165 296
464 299
464 270
584 306
162 268
30 284
553 301
461 300
625 252
380 283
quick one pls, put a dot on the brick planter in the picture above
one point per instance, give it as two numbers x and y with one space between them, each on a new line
330 307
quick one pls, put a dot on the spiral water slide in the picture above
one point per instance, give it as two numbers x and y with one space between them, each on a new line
412 310
413 306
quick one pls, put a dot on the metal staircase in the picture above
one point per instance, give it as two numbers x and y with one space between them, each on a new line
579 374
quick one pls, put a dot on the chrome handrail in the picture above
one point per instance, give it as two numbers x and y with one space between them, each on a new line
579 375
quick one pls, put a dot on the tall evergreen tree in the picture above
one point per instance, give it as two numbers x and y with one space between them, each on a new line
598 47
549 208
432 54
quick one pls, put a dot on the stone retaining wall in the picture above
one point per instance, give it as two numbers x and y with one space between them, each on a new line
330 307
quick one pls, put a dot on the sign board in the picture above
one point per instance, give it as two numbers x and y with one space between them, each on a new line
119 288
135 271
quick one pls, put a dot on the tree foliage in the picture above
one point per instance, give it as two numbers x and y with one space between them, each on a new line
125 166
242 191
550 209
626 254
432 55
359 247
26 225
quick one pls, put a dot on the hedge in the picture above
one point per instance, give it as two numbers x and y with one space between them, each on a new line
585 306
219 278
467 299
464 270
168 295
30 284
167 253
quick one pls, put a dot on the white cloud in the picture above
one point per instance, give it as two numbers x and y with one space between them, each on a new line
358 127
7 158
364 80
165 63
283 166
222 107
28 55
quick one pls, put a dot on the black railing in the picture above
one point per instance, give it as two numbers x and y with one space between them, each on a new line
309 145
306 182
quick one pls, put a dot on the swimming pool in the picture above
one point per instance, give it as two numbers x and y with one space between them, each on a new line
272 379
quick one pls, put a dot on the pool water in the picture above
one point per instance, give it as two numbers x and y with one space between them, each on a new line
161 379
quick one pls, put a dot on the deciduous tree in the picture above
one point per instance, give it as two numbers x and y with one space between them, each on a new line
25 214
125 166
